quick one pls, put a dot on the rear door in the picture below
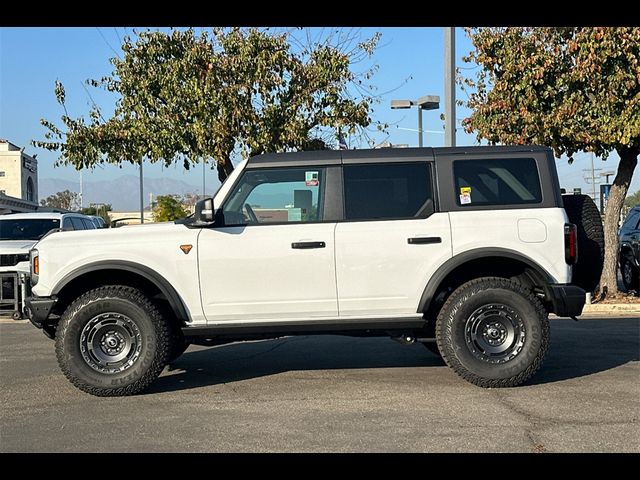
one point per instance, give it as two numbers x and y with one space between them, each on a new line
392 238
506 200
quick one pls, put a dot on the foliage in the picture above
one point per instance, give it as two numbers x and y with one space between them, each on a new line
573 89
100 211
187 96
67 200
168 208
632 200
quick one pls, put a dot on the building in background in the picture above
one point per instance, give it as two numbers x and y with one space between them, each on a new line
18 179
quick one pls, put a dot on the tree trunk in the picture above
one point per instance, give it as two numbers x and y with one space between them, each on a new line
224 168
617 194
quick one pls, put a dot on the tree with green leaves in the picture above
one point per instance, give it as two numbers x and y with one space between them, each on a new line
168 208
632 200
66 200
573 89
101 210
189 97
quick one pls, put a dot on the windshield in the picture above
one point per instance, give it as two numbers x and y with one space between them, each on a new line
27 228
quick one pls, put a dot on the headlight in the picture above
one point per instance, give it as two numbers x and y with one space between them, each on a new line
35 266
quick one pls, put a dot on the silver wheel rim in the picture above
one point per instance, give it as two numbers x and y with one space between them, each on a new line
494 333
110 343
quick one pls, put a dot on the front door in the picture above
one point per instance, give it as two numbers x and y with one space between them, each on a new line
273 258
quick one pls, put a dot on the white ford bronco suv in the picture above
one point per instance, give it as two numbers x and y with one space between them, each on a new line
465 250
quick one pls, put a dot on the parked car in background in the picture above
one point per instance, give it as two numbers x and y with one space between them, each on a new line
98 221
19 232
630 249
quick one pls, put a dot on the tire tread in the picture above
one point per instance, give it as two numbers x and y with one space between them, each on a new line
161 329
444 327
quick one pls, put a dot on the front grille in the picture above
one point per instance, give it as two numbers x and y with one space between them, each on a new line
11 260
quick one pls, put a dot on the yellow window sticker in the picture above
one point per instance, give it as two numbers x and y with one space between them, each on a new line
465 195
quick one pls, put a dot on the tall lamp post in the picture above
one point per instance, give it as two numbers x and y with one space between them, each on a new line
428 102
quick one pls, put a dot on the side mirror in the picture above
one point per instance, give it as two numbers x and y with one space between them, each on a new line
204 211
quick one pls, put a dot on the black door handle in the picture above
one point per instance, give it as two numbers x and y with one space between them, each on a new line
423 240
308 245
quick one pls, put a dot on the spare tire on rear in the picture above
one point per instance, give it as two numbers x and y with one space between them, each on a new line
582 212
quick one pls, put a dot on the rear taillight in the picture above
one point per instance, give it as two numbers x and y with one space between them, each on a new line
570 243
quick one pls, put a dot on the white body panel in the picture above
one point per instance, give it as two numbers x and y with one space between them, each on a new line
252 273
536 233
379 272
154 245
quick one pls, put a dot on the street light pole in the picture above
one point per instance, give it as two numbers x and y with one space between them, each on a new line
141 195
428 102
420 134
449 86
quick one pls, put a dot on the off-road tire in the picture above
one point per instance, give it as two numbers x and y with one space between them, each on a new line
152 341
518 304
582 212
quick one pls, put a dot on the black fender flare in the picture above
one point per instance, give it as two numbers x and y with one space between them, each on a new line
176 303
454 262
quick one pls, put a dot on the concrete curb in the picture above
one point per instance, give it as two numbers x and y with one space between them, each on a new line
612 308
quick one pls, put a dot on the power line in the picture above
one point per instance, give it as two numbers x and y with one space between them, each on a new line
107 42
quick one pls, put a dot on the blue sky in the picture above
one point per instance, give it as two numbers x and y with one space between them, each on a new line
410 63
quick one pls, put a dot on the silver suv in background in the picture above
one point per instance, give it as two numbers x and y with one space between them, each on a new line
19 232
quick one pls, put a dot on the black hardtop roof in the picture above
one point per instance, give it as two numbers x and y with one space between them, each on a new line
376 154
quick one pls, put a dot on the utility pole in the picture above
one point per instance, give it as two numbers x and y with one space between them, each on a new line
141 195
81 202
590 176
449 86
593 177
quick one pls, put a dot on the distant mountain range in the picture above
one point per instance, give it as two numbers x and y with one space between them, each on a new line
122 193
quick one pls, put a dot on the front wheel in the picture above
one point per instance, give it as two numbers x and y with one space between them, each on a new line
112 341
493 332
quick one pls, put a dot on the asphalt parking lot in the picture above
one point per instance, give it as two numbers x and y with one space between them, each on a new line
332 393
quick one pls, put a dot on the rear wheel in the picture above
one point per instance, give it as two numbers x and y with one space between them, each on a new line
493 332
112 341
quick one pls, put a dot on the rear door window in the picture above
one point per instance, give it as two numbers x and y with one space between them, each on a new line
77 223
66 224
508 181
387 191
88 224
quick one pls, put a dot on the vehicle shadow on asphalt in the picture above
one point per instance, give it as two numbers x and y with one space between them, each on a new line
586 347
241 361
577 349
